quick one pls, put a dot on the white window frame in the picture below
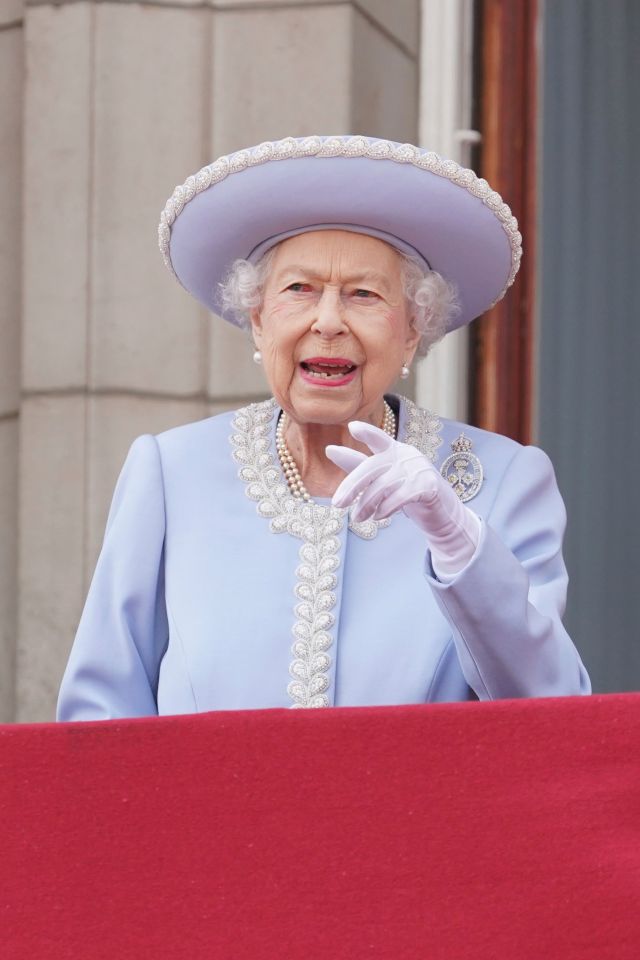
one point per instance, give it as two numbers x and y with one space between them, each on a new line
446 79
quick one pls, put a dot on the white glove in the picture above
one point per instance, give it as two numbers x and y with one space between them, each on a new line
399 477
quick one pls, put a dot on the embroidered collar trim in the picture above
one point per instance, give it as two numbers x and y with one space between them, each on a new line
318 527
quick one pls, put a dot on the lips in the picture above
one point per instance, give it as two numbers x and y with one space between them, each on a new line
328 371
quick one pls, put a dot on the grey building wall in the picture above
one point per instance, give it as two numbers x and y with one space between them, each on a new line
116 102
589 387
11 92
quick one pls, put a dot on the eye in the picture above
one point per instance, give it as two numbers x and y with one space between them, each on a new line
299 287
363 294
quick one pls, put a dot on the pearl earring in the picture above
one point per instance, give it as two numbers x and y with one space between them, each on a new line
404 371
257 357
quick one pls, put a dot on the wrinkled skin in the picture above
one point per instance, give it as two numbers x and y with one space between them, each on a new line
332 294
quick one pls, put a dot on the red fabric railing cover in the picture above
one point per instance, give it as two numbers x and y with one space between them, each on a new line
504 830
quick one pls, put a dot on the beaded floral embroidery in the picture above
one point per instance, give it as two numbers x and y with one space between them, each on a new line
318 527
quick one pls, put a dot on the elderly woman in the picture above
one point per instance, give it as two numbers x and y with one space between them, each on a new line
334 545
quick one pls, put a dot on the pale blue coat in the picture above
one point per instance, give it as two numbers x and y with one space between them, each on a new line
216 590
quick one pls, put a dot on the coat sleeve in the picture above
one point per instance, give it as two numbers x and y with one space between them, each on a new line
505 607
123 633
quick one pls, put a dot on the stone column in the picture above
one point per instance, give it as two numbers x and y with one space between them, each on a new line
11 81
123 101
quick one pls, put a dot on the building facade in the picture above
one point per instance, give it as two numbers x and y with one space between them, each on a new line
104 106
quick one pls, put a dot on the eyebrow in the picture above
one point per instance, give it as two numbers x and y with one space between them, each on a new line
366 276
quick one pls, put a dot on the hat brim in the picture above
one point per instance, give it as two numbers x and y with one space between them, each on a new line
246 202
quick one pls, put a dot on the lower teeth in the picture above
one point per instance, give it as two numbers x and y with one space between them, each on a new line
329 376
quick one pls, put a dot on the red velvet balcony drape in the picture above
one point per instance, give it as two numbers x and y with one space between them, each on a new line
503 830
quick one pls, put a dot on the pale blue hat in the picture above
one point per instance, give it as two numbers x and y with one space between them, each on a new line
433 209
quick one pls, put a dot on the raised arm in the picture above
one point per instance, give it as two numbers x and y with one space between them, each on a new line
500 581
506 605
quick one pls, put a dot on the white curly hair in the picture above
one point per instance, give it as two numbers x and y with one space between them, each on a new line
431 300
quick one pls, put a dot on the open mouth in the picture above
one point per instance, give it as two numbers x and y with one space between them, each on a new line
328 369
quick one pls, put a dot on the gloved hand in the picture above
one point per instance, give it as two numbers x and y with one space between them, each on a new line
399 477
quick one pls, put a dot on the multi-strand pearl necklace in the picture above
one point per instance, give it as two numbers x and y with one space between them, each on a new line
290 467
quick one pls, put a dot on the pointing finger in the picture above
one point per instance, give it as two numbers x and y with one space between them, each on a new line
376 439
344 457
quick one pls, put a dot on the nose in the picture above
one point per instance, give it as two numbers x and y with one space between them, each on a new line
329 321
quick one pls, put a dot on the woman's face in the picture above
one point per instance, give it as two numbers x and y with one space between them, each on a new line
333 328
